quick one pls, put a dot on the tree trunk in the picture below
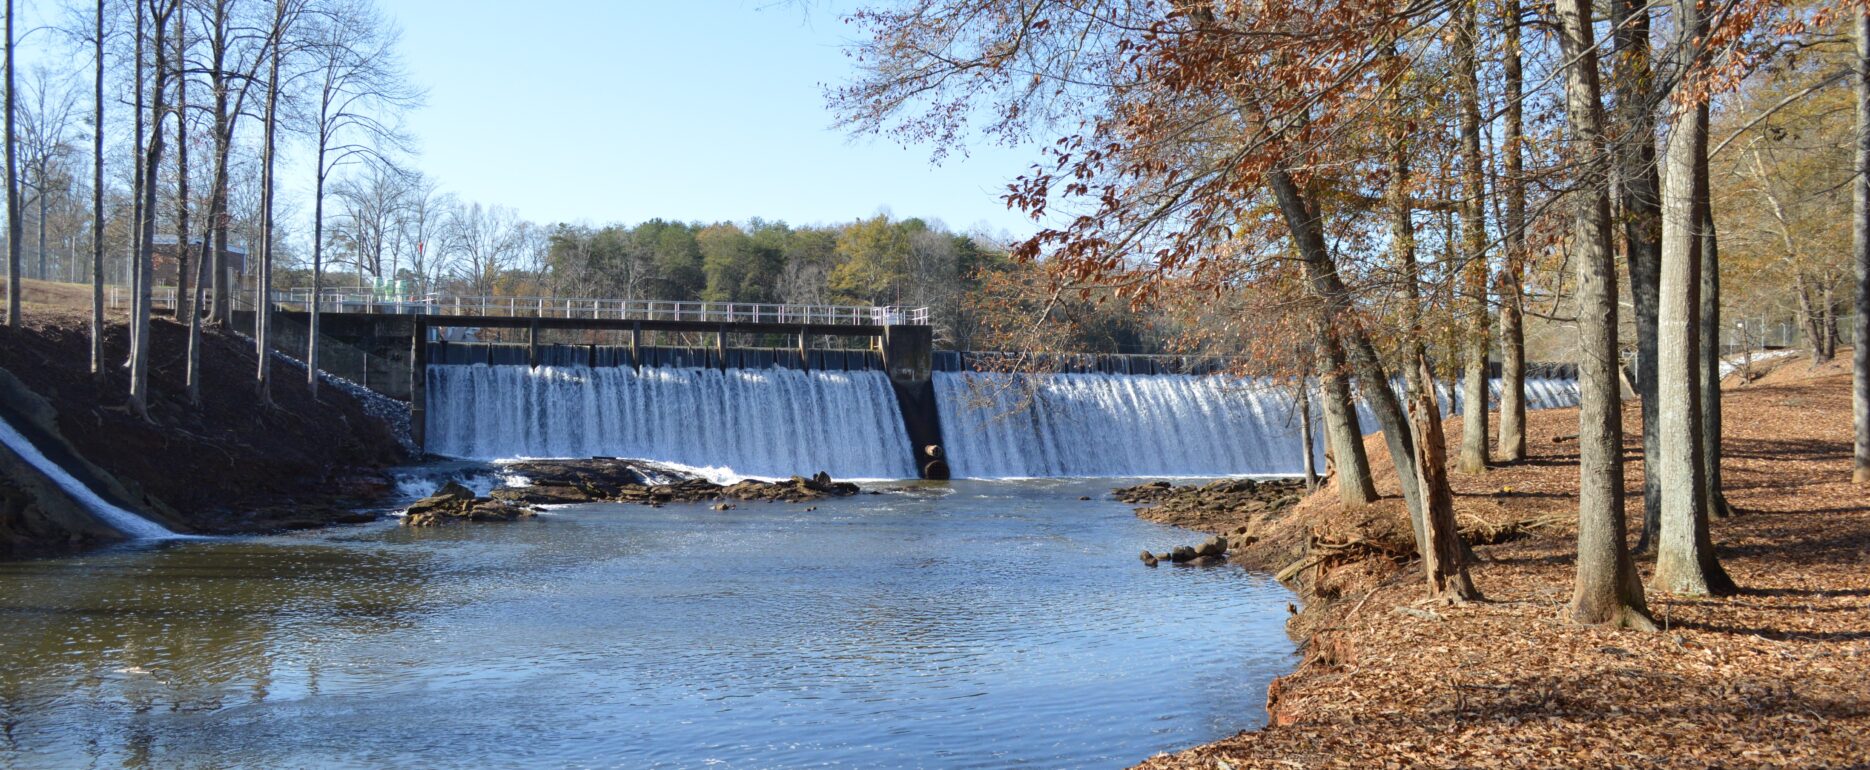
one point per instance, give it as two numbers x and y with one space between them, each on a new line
1606 589
1808 318
1511 442
1356 486
1444 560
1640 205
1474 390
1860 244
263 289
223 304
97 208
1685 562
193 376
1322 280
1828 322
1710 380
45 274
318 269
146 225
217 209
182 305
1305 435
13 230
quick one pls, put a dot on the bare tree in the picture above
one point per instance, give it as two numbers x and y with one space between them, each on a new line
13 229
418 227
369 205
159 12
284 12
46 143
97 202
1860 245
483 239
360 90
236 48
1607 588
191 309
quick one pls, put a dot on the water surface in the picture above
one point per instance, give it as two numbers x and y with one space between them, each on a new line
979 624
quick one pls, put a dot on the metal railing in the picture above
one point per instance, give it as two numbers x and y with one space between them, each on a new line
358 301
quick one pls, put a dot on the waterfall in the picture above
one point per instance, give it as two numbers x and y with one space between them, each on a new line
1010 426
1001 426
131 525
746 422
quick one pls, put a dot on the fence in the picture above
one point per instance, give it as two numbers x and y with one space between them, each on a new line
355 301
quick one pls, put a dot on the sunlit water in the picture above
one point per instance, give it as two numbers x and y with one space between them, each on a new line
983 624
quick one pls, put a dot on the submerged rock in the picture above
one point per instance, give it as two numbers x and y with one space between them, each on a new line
1211 552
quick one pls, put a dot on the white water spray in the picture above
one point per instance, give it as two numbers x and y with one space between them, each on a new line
1008 426
127 522
756 422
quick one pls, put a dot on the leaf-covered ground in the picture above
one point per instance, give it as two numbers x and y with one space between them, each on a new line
1778 676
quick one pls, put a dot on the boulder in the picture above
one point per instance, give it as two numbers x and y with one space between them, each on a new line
454 503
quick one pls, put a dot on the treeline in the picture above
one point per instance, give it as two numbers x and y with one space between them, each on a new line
875 261
1378 193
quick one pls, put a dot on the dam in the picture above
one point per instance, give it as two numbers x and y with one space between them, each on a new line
772 391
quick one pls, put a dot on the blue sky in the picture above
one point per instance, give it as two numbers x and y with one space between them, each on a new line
693 110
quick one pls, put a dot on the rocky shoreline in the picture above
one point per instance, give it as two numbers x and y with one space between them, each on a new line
1214 504
1232 509
608 480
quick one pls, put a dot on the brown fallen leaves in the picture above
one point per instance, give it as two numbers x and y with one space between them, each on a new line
1778 676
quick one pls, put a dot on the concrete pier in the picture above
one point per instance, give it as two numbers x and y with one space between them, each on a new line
908 357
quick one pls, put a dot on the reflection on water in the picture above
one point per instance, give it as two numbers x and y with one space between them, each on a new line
975 625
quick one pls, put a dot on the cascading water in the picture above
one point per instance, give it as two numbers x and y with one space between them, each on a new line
750 422
130 524
1009 426
1001 426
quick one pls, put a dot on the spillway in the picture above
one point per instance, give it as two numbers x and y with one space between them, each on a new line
1009 426
129 523
747 422
1013 426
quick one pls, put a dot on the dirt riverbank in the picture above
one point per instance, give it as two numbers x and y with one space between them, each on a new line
231 465
1774 677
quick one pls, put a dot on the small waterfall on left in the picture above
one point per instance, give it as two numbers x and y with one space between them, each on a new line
745 422
127 522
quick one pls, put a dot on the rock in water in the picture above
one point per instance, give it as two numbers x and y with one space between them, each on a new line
1213 546
1149 558
455 503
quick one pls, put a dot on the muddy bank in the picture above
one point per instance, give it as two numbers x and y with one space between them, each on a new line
230 465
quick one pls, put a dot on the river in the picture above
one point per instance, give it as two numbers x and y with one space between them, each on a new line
972 624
